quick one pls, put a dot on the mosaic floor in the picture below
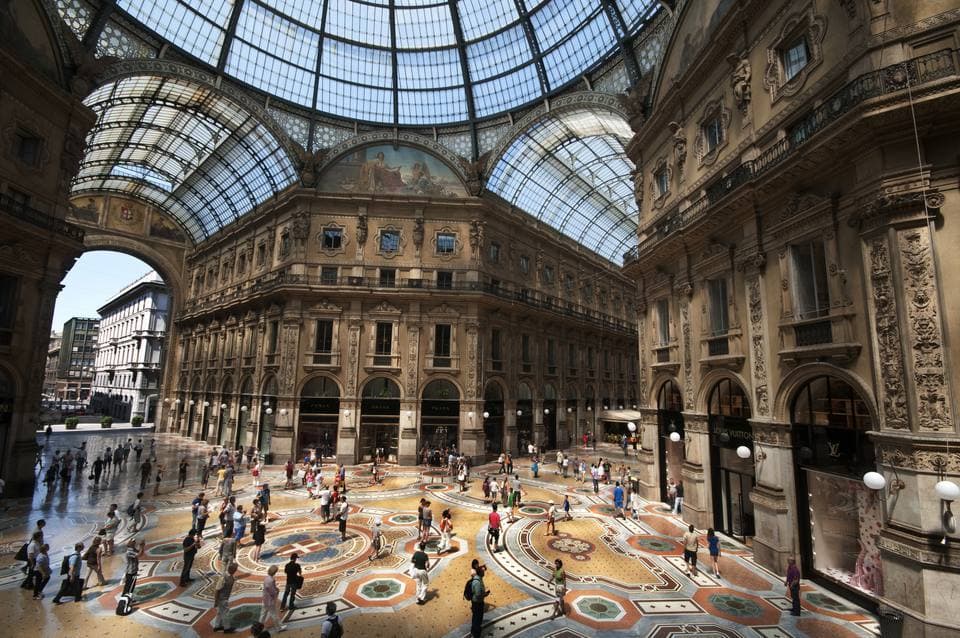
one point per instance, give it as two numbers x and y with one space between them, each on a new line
625 577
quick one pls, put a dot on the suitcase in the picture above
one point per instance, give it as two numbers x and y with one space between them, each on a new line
125 605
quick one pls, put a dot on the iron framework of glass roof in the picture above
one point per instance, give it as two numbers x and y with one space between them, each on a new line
570 171
185 148
399 62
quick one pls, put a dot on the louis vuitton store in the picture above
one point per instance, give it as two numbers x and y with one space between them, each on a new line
733 476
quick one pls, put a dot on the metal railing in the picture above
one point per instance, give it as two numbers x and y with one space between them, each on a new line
38 218
889 79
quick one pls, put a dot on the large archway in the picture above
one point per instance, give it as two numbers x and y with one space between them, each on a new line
672 445
380 420
440 415
319 413
733 477
493 415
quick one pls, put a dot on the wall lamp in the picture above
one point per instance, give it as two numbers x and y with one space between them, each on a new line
223 406
486 414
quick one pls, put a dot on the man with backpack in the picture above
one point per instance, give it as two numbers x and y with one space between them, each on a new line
331 627
475 591
72 585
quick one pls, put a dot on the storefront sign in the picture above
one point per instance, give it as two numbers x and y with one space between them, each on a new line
320 405
440 408
380 406
730 432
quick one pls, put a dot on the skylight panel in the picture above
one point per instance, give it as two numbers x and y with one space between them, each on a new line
308 12
424 28
432 107
556 20
355 101
357 64
507 91
271 74
196 27
359 22
429 69
584 47
502 52
142 173
479 18
635 12
278 36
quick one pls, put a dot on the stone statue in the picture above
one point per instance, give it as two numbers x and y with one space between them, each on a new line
418 232
476 235
679 146
362 230
637 175
740 80
300 228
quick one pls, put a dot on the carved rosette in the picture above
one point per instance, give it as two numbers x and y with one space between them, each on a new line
687 355
758 351
926 335
413 351
887 327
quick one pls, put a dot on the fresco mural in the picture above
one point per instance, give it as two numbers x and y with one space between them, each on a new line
394 171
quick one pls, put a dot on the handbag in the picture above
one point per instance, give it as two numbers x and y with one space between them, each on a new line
22 553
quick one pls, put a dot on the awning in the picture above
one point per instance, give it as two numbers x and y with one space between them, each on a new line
624 416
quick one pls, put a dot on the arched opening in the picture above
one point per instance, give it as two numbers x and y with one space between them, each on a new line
550 416
440 415
380 420
590 408
524 417
268 404
493 418
728 413
572 416
107 347
318 417
193 407
670 424
246 404
8 392
840 515
207 411
223 412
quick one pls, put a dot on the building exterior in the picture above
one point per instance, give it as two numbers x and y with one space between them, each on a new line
793 264
399 325
78 347
50 369
130 353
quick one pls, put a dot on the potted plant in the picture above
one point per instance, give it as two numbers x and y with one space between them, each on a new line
71 422
106 422
137 421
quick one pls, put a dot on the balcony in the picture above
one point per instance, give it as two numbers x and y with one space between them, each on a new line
382 362
322 360
27 213
829 336
722 349
249 361
449 363
666 357
271 359
897 77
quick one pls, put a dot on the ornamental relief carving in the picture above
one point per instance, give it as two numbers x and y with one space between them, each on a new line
642 373
288 370
758 347
921 460
926 337
887 325
687 355
413 352
353 351
772 435
472 348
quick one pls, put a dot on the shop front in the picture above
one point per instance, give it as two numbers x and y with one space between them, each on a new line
319 415
380 420
524 418
840 516
440 415
670 428
223 414
493 419
733 476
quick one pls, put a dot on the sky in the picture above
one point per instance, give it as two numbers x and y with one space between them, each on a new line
97 276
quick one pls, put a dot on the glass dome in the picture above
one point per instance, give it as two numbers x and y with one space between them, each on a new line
398 62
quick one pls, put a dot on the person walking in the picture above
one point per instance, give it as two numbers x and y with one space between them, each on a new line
228 552
72 585
259 538
110 527
427 521
421 563
478 592
551 519
239 525
221 477
678 501
33 549
191 543
331 626
138 449
342 517
204 475
221 600
93 557
182 472
97 470
713 546
559 588
618 501
203 513
502 461
691 544
446 531
376 540
566 507
493 528
270 603
145 468
793 585
156 486
41 571
294 574
136 514
132 565
228 480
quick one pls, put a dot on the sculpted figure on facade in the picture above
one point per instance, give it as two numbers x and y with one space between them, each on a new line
418 233
740 81
887 325
679 146
757 352
361 229
476 237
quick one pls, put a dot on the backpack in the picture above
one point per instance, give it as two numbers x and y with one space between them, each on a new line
65 566
468 589
124 605
336 630
131 510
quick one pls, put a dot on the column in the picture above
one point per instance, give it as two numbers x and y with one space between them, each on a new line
472 437
409 427
647 457
347 434
539 431
510 426
774 496
697 494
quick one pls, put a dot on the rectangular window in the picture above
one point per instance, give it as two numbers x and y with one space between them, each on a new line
389 241
8 308
446 243
384 343
663 321
228 348
717 299
324 341
794 58
242 264
548 275
261 255
332 238
662 179
28 148
811 296
441 345
388 277
524 264
496 355
494 252
713 133
590 359
572 356
551 356
525 353
444 279
328 275
273 336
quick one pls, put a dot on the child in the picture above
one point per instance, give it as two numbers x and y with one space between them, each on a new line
713 545
566 507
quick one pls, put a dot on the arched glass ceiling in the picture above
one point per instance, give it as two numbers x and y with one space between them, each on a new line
570 171
407 62
194 153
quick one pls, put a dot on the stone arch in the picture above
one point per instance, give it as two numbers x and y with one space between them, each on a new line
438 382
549 392
710 380
320 375
797 377
369 382
500 387
524 392
13 376
445 378
270 386
226 386
658 381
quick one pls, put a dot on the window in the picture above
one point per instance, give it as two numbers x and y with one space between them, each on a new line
662 180
389 241
811 297
794 58
717 298
446 243
324 340
494 253
713 133
384 343
273 336
332 238
19 197
572 356
526 357
261 254
496 356
28 148
444 279
590 359
388 277
524 264
228 348
284 244
8 307
242 264
663 321
328 275
551 356
441 345
548 275
568 283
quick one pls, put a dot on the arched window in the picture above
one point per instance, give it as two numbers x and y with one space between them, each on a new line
728 399
321 387
441 390
668 398
381 388
830 424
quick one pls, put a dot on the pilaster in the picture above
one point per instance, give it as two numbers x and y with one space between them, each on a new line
697 497
774 496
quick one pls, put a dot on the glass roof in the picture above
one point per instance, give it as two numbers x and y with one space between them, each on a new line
406 62
570 171
194 153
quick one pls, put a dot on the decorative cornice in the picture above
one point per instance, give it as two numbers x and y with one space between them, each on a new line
872 212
